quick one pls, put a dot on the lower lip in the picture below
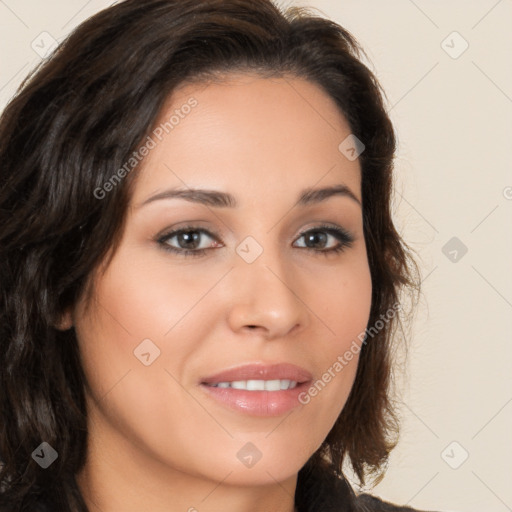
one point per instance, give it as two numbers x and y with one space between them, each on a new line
258 403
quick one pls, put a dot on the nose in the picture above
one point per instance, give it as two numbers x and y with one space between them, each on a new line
267 296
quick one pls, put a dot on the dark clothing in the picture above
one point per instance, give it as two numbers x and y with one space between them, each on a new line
366 502
322 491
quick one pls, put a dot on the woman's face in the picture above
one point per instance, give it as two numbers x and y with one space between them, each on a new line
254 289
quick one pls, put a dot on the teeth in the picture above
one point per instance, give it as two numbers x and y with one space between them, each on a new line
258 385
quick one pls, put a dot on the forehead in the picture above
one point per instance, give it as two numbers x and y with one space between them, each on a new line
249 132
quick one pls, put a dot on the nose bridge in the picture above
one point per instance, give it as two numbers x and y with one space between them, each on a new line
264 259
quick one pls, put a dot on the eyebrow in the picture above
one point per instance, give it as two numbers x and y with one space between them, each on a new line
217 199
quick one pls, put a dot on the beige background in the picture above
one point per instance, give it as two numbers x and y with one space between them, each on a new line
453 114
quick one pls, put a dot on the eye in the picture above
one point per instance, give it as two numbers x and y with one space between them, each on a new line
190 240
319 236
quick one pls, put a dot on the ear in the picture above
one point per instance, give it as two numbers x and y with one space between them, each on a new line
65 321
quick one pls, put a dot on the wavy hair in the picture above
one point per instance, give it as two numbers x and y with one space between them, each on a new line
72 123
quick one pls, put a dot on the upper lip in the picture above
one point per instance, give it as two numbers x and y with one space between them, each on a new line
258 371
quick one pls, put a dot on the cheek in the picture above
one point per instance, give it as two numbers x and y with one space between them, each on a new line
139 309
345 303
138 299
345 299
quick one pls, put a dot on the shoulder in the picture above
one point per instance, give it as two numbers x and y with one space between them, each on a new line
369 503
320 489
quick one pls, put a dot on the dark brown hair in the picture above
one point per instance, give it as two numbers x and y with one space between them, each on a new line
75 121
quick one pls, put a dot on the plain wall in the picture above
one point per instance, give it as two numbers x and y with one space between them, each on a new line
452 110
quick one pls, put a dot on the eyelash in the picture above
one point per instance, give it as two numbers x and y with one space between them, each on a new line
346 240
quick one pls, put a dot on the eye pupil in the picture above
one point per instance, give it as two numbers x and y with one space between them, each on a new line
190 238
314 236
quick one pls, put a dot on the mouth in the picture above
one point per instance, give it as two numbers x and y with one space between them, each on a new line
258 390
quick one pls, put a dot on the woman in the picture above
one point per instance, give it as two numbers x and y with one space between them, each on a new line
200 274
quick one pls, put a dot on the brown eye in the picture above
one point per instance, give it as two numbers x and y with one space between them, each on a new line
319 236
187 241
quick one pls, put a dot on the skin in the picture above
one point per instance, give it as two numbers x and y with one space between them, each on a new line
156 440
